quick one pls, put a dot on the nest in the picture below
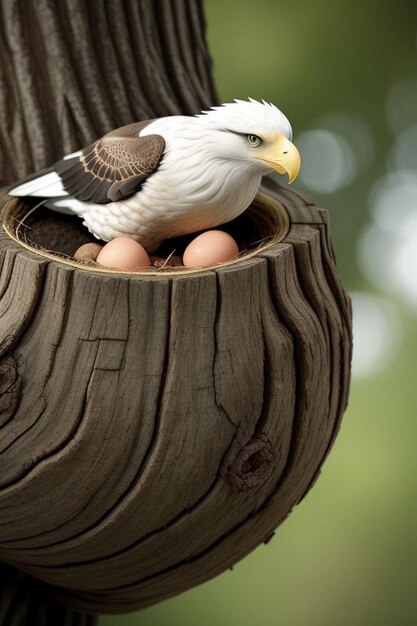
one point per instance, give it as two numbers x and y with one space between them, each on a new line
53 235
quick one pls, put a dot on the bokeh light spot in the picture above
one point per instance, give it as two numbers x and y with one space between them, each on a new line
393 201
387 248
328 161
403 154
375 334
401 105
356 132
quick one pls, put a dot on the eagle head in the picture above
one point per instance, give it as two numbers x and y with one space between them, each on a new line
257 134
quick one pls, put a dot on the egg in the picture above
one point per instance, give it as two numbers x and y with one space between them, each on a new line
213 246
123 253
88 252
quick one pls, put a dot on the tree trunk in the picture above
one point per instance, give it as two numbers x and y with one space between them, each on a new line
25 601
154 428
72 70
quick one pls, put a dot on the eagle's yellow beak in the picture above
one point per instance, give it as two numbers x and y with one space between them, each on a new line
282 156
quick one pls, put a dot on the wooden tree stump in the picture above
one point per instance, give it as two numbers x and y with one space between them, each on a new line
157 428
154 428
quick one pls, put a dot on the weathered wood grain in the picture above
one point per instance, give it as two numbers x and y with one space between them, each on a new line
71 71
165 425
153 429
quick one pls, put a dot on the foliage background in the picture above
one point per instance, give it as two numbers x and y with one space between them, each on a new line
345 73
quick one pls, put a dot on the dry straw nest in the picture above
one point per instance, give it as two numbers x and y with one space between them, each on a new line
158 426
264 224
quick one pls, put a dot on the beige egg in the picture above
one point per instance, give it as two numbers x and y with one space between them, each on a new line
88 252
213 246
124 254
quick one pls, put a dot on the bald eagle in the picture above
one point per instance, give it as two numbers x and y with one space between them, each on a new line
170 176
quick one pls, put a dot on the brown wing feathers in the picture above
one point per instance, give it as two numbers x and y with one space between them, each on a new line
114 167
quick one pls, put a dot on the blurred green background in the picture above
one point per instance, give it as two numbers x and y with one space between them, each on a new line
345 73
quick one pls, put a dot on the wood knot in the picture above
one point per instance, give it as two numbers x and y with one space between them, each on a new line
9 389
252 465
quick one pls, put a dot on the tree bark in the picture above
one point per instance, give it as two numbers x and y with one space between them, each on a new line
25 601
154 429
72 70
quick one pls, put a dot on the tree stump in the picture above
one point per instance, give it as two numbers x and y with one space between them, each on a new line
157 428
154 428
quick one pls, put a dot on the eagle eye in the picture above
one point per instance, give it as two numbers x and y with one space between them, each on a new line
253 140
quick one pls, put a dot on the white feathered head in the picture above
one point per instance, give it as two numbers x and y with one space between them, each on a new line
254 132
